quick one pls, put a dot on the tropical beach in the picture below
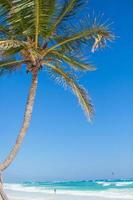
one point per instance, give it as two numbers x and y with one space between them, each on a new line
80 190
66 100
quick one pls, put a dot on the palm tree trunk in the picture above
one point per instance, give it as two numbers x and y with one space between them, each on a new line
2 193
25 125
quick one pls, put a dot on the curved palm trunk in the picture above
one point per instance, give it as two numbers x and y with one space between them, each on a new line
2 193
25 126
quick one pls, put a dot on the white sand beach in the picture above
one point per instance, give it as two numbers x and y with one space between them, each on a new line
109 195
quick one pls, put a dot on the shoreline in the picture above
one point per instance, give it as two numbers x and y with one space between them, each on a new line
68 195
77 190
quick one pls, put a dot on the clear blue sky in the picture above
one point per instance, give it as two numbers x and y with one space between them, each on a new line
60 143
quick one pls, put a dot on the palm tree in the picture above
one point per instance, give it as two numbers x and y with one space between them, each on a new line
41 35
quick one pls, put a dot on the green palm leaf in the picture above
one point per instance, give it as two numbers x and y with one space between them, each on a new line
10 66
78 90
7 44
31 17
4 30
66 10
12 63
84 36
5 6
11 52
6 3
37 9
43 12
72 62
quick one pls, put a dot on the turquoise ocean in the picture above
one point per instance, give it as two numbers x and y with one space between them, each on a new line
116 189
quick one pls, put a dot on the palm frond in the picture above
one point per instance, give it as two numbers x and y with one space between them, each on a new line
47 11
37 9
84 100
9 66
84 36
7 44
12 63
77 65
31 17
11 51
43 13
21 16
6 3
68 9
4 30
78 90
5 6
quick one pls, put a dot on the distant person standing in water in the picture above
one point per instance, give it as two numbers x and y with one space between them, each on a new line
55 191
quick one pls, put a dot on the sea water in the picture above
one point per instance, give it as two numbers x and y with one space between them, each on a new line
115 189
